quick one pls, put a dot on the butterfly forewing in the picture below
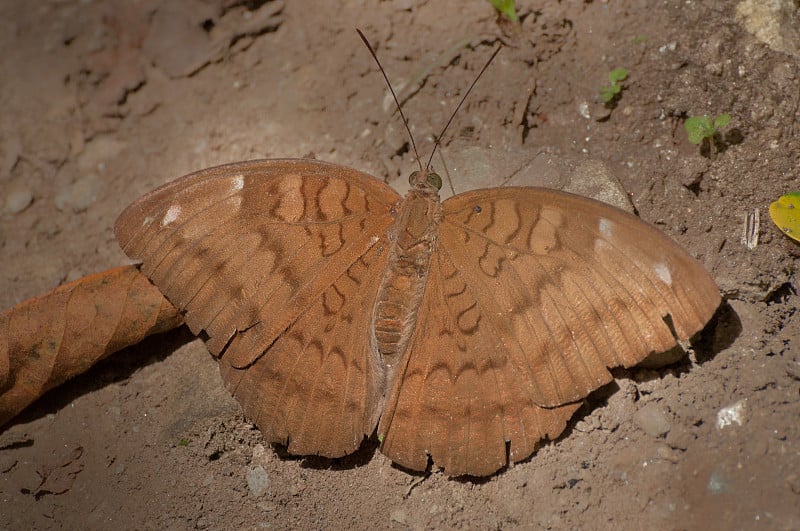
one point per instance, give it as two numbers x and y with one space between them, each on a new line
532 295
284 257
247 247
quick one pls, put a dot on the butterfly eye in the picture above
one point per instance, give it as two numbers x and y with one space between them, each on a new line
434 180
412 177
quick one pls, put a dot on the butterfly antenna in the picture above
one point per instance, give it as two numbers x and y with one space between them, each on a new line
439 138
397 101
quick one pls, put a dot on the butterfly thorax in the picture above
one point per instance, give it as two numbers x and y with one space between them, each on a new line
413 237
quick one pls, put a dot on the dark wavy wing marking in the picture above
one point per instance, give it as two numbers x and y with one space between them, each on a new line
243 249
533 294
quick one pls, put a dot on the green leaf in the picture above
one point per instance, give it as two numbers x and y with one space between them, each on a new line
507 8
785 213
607 93
722 120
698 127
617 75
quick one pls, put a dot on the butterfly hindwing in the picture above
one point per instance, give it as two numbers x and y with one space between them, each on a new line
319 388
457 396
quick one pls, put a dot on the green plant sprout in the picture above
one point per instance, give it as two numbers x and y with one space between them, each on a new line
702 129
615 77
506 7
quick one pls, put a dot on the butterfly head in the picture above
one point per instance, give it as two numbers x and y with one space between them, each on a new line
425 179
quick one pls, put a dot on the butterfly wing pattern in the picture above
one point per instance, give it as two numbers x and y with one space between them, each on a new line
531 296
275 256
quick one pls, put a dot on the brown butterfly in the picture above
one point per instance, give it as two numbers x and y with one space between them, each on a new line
466 331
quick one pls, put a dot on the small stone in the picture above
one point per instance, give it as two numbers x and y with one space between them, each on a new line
731 414
259 452
679 438
718 483
257 481
652 420
79 195
18 198
399 516
98 152
666 453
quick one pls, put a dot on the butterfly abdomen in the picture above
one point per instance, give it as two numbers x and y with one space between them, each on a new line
396 307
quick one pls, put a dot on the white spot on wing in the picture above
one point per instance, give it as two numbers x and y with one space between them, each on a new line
238 182
606 233
601 246
171 215
605 228
662 272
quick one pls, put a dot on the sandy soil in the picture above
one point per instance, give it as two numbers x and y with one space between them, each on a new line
103 101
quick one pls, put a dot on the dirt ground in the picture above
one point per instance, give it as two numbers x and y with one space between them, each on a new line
103 101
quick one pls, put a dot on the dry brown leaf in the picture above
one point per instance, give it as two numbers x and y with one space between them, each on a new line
49 339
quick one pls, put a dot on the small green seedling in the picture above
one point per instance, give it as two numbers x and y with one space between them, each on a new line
702 129
615 77
183 442
507 8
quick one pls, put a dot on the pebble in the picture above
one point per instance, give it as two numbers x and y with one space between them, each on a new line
718 483
731 414
668 454
98 152
652 420
79 195
257 481
398 516
18 198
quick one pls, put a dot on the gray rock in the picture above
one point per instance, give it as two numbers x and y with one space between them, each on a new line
773 22
479 167
257 481
652 420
